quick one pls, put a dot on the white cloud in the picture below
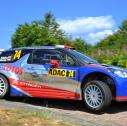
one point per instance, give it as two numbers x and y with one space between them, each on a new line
90 28
101 34
86 24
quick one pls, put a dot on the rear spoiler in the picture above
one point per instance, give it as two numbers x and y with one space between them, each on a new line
64 46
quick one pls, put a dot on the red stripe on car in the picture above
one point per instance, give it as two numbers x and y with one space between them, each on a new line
96 66
121 98
38 90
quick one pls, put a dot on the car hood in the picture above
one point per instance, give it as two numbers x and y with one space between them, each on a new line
113 67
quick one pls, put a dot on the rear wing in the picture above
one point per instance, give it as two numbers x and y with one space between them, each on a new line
64 46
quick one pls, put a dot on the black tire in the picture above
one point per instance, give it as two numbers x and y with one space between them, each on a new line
104 96
4 87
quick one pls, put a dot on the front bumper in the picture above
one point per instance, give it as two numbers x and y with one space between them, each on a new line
121 89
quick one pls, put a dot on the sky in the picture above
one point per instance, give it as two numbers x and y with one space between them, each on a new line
90 19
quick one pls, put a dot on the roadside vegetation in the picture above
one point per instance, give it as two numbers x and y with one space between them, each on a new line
47 32
14 117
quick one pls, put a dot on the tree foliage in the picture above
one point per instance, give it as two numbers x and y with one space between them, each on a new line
38 33
113 49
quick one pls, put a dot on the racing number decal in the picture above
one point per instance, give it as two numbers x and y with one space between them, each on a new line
17 54
61 73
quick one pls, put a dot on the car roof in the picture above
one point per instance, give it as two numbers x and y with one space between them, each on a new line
42 47
31 48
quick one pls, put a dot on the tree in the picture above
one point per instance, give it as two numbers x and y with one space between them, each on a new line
81 45
52 26
123 26
38 33
113 48
31 35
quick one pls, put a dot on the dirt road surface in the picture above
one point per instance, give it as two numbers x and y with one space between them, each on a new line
73 111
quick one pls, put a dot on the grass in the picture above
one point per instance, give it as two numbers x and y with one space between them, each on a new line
15 117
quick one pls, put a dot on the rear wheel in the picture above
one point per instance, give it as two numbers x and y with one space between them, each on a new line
4 86
97 96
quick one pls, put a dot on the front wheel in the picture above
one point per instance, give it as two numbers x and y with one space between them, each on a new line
4 86
97 96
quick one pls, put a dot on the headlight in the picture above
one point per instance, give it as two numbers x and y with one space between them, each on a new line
120 73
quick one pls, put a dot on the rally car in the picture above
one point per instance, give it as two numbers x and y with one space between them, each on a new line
60 72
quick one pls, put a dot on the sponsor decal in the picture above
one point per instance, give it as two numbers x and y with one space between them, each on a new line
37 90
25 84
61 72
17 54
13 69
5 58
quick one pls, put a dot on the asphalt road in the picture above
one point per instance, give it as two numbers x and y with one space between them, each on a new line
69 110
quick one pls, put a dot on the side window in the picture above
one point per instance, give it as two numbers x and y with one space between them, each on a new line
12 56
45 56
7 56
68 60
37 57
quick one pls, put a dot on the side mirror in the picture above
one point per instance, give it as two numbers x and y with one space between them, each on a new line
55 62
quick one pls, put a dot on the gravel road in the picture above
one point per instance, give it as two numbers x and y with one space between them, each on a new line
69 110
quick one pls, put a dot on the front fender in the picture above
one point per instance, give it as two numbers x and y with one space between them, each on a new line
86 70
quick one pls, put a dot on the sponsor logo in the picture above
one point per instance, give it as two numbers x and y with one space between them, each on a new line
61 73
28 84
13 69
25 84
4 59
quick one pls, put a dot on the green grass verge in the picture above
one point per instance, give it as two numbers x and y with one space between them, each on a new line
15 117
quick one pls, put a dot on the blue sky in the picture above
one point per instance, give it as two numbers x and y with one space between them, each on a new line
89 19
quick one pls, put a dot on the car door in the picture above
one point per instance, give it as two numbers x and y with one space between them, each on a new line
46 80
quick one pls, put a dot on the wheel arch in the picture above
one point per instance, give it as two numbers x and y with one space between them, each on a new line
5 77
8 93
101 77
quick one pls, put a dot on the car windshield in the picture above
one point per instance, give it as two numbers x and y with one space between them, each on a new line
82 57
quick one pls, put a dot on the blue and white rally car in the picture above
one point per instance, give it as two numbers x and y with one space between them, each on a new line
60 72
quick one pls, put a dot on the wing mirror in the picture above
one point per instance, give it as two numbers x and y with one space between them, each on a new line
55 63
